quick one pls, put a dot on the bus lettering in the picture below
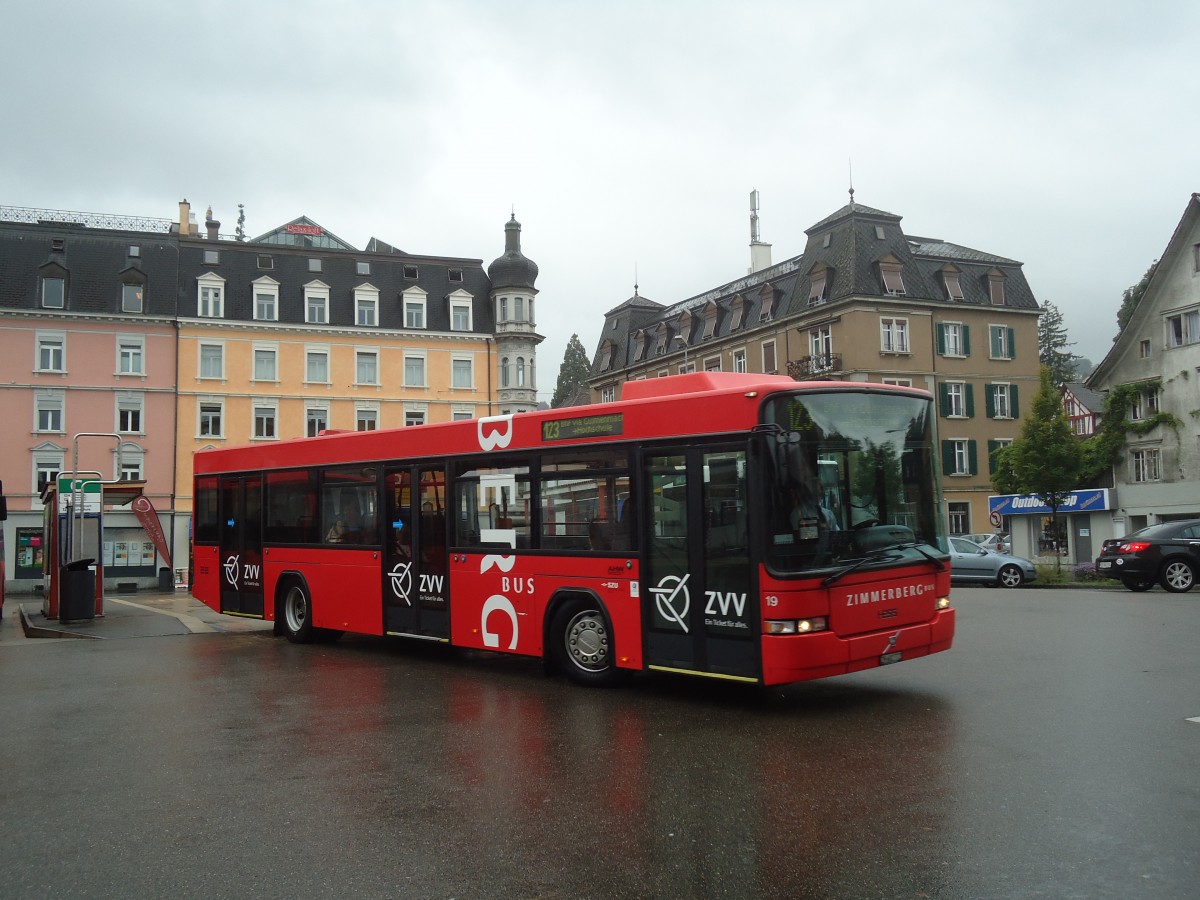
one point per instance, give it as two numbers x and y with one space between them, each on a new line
432 584
497 438
251 573
498 603
516 585
716 598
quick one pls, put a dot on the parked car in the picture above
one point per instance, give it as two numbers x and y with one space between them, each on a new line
972 562
1168 553
1001 543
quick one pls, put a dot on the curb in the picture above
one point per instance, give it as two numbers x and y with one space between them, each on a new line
42 631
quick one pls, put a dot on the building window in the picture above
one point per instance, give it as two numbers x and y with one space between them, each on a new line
414 313
996 288
954 291
264 422
959 457
960 517
48 411
211 414
131 355
893 335
129 413
1183 329
818 286
898 382
316 369
994 446
366 307
1144 348
893 279
712 364
316 304
820 348
314 265
504 372
366 367
608 394
210 300
316 420
410 272
54 292
460 316
362 268
212 257
462 374
131 468
956 396
266 366
1146 465
52 353
1144 404
518 309
46 469
131 298
1002 342
520 371
739 360
212 361
414 417
414 371
1002 401
768 358
135 250
266 301
266 262
366 419
462 414
953 339
456 275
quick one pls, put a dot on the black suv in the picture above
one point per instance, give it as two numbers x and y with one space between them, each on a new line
1168 553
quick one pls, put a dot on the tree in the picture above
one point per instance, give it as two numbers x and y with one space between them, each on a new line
572 374
240 234
1131 298
1053 344
1047 459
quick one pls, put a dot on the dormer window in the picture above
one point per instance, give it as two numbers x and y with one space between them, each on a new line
410 272
132 299
768 303
996 288
456 275
54 292
639 346
660 346
893 279
954 291
819 286
710 320
738 307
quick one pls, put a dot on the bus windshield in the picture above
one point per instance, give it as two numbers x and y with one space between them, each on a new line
851 479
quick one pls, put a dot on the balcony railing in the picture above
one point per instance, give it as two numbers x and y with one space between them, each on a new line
820 365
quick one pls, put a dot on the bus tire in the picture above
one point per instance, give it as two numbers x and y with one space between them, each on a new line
581 643
296 613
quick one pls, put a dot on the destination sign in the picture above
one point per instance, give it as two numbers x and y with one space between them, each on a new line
583 427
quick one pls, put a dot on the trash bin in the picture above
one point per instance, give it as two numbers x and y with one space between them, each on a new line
77 591
164 580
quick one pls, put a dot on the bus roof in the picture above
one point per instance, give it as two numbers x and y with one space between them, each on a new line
700 403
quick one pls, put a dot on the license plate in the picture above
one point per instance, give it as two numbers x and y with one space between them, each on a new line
1104 565
888 658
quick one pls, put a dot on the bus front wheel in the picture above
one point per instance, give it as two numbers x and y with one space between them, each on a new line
297 614
581 643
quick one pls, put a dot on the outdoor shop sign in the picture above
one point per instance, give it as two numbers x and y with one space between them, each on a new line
1092 500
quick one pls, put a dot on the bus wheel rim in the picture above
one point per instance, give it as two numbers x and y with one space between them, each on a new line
295 609
586 641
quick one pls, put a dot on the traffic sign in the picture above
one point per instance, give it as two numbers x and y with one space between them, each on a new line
995 519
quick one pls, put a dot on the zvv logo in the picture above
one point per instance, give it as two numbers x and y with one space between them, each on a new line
673 600
231 571
401 579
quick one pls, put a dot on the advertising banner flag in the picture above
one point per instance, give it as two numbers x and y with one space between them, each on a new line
148 516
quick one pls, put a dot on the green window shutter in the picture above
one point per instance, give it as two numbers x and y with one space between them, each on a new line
941 339
1012 400
994 336
989 395
969 399
972 458
947 457
966 340
993 446
1012 344
944 398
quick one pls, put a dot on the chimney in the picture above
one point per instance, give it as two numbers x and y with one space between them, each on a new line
212 225
760 253
185 216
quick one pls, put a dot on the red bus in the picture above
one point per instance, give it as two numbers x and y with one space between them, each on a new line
734 526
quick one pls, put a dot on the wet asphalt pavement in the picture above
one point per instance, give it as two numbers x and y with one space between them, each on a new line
1049 754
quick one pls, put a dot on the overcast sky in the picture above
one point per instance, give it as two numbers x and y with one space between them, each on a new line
626 135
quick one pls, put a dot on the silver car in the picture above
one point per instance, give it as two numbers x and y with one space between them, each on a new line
1001 543
971 562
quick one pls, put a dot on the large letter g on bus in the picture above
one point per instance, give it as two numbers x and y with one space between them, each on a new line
497 603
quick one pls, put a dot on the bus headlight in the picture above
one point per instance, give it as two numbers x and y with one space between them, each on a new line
796 626
943 602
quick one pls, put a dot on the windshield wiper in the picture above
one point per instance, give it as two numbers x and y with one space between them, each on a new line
873 556
884 553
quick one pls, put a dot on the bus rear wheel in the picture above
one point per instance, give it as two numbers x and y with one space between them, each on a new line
297 614
581 643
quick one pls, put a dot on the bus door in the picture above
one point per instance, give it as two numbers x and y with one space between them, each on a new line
241 545
698 591
416 583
